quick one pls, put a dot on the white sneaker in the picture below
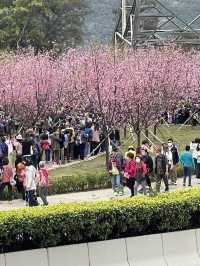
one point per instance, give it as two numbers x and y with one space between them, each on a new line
115 193
121 193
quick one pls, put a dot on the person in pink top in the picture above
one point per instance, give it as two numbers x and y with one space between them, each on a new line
95 139
43 182
7 179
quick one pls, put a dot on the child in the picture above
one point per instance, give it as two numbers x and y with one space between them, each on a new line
140 174
114 171
20 177
43 182
7 179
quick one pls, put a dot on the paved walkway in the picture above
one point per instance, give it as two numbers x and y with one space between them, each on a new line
88 196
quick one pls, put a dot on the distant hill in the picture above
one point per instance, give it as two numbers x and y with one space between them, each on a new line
100 22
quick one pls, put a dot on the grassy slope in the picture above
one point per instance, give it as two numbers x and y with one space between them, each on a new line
181 137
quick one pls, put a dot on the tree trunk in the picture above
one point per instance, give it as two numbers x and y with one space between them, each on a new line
107 151
155 130
138 138
105 132
147 132
125 132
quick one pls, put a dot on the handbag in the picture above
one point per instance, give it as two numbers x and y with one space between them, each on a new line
126 175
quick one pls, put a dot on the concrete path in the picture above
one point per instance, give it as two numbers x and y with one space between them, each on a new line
88 196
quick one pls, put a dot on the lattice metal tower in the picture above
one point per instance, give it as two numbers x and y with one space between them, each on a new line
144 23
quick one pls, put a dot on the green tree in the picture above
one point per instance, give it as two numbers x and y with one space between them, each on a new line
41 24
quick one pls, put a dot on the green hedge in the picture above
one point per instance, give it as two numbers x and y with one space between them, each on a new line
69 184
75 223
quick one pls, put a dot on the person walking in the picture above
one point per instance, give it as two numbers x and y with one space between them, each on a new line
193 149
197 168
161 170
95 139
114 171
20 177
18 147
129 171
130 150
173 160
46 149
30 183
140 175
3 151
7 179
88 137
55 143
147 159
188 164
43 182
62 146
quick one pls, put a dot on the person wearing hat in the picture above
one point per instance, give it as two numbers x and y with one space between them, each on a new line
161 170
130 150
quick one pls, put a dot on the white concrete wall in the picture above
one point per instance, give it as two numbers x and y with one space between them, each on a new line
170 249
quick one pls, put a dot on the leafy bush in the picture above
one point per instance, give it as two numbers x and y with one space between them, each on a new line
69 184
75 223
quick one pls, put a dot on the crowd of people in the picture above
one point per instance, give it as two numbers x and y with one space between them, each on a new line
24 160
189 115
138 167
26 177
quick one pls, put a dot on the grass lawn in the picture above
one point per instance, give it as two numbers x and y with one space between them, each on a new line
181 138
82 169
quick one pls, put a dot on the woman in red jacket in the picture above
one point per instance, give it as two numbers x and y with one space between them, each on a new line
130 172
140 175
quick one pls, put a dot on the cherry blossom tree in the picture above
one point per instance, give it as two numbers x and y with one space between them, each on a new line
133 88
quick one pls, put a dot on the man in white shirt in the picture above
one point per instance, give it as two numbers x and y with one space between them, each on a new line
30 183
193 149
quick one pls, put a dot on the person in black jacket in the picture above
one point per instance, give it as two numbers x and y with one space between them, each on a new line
161 170
173 160
146 158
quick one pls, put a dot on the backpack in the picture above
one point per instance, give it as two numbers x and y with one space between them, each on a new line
160 165
88 134
4 149
139 174
35 149
42 180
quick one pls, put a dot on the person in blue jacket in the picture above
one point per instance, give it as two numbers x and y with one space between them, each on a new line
188 164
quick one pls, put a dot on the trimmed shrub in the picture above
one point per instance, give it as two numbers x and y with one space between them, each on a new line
75 223
69 184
